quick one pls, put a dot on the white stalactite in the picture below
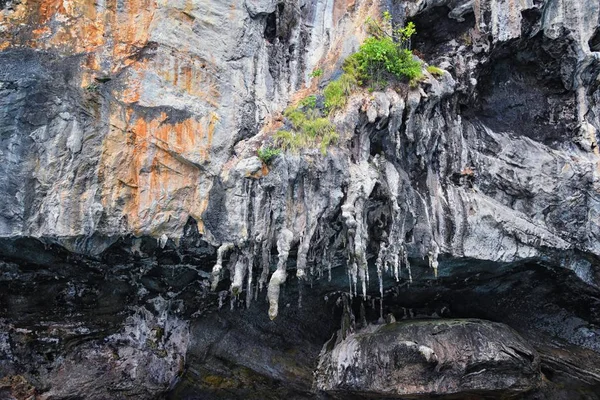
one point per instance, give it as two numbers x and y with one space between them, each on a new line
284 243
216 271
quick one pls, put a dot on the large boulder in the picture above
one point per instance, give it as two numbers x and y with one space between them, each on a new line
458 357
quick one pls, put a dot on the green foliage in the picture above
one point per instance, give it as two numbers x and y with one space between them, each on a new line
351 68
387 52
347 83
318 127
406 33
92 88
309 125
312 113
318 72
433 70
331 137
385 28
376 57
267 154
309 129
295 116
291 140
334 96
309 102
336 92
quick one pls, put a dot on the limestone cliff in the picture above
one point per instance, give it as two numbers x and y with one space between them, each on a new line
134 204
133 108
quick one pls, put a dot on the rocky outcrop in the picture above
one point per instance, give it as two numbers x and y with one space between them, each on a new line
133 109
427 358
135 205
118 326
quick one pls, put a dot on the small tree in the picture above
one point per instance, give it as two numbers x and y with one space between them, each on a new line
401 36
387 51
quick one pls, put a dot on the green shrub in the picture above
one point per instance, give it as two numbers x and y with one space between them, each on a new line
414 83
433 70
267 154
309 129
291 140
386 53
295 116
334 96
309 102
318 72
336 92
348 83
312 113
330 138
317 128
378 57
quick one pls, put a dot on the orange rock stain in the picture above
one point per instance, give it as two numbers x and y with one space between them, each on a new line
188 74
150 171
79 26
150 166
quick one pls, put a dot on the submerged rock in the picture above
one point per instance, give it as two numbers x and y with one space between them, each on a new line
422 358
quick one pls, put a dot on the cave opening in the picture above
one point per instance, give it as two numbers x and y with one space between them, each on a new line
594 41
435 29
523 89
271 27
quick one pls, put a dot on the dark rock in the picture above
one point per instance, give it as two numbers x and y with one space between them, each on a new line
423 358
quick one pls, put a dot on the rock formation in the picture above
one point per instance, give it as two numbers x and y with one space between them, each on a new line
147 251
452 356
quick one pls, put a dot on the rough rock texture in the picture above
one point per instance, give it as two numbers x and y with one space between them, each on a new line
429 357
84 309
118 116
134 206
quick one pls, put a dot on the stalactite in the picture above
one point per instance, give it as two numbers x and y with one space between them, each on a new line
266 263
379 265
265 239
360 247
216 271
407 263
433 258
302 203
239 274
284 243
362 182
303 248
249 291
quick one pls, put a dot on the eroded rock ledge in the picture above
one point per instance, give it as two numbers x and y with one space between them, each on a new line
424 358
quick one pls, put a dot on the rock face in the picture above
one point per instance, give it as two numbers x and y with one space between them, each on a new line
134 205
427 357
133 108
